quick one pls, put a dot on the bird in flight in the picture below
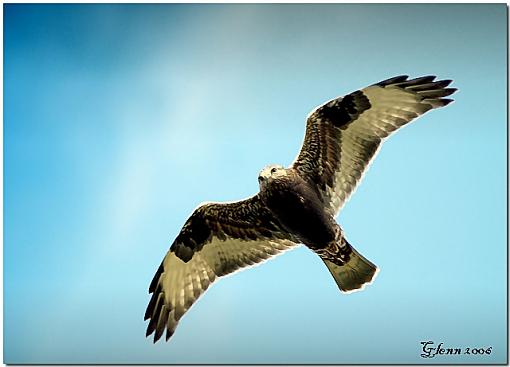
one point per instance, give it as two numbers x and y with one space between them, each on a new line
295 205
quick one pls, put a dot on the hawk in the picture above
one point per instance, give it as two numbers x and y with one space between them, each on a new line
295 205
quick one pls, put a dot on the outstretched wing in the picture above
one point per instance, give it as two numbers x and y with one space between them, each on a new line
216 240
343 135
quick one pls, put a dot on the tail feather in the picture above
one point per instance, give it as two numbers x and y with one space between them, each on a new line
354 274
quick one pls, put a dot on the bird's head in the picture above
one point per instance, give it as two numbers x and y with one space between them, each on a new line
271 172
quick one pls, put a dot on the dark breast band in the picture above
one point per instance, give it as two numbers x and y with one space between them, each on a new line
298 208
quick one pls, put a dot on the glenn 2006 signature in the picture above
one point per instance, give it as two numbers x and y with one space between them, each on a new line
429 350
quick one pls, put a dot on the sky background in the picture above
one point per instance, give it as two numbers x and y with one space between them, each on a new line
120 119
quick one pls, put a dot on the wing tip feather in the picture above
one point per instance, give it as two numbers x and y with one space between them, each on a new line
430 90
393 80
446 101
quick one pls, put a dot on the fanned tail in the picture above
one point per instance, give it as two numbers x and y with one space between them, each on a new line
348 267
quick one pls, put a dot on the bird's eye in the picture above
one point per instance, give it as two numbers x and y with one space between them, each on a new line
273 170
260 178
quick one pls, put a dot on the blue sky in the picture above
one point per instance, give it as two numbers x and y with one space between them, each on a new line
120 119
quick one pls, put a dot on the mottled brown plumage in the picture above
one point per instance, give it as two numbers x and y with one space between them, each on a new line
296 205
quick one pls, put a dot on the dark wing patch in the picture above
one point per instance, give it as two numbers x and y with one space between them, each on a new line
244 220
192 237
216 240
343 135
340 112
